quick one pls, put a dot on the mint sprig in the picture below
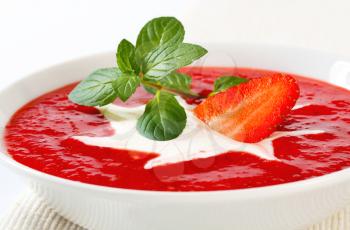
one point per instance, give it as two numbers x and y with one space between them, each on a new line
98 89
164 118
158 32
126 57
176 83
152 63
165 59
126 85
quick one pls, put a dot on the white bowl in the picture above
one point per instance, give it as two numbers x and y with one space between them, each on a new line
288 206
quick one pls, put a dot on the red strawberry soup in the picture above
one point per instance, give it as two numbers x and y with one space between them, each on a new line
309 136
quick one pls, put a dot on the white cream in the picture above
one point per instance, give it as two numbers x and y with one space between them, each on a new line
196 141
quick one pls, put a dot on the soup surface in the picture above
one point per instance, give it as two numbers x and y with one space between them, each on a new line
40 135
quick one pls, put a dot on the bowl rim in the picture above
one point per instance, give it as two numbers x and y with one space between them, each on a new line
283 189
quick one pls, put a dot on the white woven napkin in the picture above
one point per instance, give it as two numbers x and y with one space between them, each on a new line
31 213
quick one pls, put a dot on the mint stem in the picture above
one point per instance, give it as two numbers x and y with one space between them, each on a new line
174 91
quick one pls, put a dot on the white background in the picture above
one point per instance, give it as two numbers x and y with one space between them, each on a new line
38 33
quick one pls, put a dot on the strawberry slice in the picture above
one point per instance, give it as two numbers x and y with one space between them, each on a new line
250 111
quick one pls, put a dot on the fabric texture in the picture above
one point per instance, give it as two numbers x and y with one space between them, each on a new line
31 213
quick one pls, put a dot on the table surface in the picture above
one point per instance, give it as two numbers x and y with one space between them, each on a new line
36 34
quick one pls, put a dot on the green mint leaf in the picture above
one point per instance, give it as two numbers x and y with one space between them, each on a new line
97 89
177 81
126 85
174 81
157 32
149 89
226 82
126 57
164 118
165 59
